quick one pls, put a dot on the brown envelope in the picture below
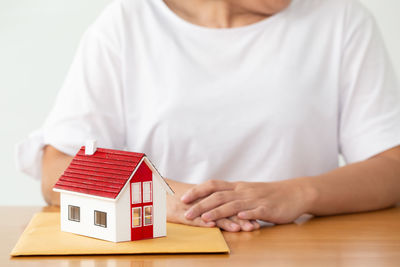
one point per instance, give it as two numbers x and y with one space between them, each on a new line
43 237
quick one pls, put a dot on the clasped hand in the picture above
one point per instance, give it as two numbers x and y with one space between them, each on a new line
275 202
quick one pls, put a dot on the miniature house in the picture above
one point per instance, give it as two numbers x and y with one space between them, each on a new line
112 195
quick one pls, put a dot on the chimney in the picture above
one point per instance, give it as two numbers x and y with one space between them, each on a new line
90 147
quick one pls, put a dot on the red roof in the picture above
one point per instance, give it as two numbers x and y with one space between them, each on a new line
102 174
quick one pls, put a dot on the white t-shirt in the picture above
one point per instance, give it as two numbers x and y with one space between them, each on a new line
274 100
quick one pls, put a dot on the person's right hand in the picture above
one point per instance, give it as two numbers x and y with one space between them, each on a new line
176 210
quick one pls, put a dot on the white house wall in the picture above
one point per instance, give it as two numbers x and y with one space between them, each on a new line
86 225
159 208
123 215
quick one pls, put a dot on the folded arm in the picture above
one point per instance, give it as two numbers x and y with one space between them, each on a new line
368 185
54 163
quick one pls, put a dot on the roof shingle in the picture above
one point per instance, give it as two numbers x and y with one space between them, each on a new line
102 174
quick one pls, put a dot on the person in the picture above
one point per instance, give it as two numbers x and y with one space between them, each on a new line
244 105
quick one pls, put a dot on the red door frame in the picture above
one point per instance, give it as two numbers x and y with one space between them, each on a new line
143 174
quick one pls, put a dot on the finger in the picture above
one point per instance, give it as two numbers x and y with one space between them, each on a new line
199 222
228 225
255 224
214 200
205 189
245 225
226 210
253 214
179 218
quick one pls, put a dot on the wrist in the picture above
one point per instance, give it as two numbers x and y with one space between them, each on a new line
309 193
179 187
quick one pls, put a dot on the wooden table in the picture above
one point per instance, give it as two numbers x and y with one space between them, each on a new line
366 239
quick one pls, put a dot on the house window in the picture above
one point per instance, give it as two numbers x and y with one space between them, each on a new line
136 193
137 217
148 215
100 218
147 191
74 213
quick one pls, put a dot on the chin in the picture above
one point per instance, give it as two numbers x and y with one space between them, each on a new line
267 7
277 5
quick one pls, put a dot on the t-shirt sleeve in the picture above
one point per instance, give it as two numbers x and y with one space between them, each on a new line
369 92
88 106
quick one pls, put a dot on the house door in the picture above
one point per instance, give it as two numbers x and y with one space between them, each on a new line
141 187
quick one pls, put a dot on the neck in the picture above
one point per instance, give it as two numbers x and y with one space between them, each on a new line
225 13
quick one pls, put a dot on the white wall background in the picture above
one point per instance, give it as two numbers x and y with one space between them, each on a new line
37 41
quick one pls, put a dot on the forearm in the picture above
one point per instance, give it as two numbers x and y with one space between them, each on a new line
54 163
368 185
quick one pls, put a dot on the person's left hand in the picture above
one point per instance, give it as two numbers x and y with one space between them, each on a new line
276 202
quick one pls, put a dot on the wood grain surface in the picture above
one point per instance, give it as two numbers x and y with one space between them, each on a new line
365 239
